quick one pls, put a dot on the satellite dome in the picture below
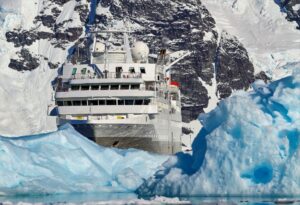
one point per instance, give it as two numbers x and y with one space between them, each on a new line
99 47
140 51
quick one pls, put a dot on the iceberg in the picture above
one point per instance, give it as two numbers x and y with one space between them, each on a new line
66 162
248 146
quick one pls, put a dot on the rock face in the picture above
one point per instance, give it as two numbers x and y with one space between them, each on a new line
48 25
213 70
234 70
189 26
292 8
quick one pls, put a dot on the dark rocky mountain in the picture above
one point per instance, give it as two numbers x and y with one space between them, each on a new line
186 23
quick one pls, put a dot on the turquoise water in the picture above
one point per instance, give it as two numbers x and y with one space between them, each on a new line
125 197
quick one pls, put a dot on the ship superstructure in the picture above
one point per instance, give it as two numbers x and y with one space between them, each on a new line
123 98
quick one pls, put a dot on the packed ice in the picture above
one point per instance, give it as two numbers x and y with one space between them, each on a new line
249 145
66 162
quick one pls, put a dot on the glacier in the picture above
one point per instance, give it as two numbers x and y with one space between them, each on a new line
66 162
248 146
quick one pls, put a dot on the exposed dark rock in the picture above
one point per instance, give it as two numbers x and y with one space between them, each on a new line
187 131
52 65
288 6
234 70
83 11
55 11
47 20
22 38
60 2
185 24
262 76
25 62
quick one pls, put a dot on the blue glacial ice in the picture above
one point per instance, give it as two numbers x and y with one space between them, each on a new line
248 146
66 162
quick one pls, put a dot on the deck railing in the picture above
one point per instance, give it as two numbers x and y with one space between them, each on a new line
108 75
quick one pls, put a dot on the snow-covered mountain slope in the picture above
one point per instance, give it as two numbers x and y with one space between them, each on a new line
272 41
38 35
34 43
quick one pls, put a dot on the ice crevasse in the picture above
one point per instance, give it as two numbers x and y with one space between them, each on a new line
249 146
66 162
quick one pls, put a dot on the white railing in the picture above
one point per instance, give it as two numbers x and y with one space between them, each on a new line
108 75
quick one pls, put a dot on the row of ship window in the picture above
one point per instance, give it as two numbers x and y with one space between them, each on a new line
103 102
106 87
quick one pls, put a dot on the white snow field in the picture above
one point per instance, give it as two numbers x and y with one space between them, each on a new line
66 162
248 146
25 96
272 41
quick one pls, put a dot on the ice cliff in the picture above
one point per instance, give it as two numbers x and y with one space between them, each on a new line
249 145
66 162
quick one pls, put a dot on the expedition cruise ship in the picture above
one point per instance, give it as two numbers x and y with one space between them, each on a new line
124 98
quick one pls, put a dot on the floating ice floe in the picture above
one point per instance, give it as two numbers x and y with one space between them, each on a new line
66 162
249 145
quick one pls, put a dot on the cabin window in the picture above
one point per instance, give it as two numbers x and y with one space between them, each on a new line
68 103
60 103
129 102
158 77
114 87
75 87
111 102
104 87
93 102
85 87
124 87
95 87
101 102
135 87
76 103
131 70
138 102
121 102
147 102
84 103
74 71
143 70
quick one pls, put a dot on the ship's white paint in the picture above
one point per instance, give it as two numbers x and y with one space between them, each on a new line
137 93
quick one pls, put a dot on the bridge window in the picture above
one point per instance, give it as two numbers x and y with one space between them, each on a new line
147 102
85 87
83 71
135 87
76 103
114 87
143 70
67 103
75 87
104 87
60 103
138 102
84 103
129 102
121 102
111 102
124 87
93 102
131 70
95 87
101 102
